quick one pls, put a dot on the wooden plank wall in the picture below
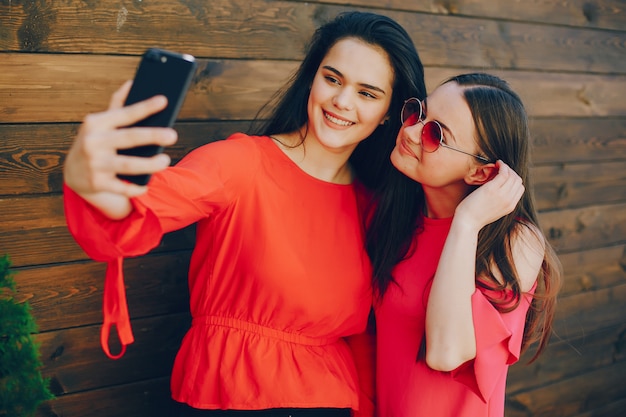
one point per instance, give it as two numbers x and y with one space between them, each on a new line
62 59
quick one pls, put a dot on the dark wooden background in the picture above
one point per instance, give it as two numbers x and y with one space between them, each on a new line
62 59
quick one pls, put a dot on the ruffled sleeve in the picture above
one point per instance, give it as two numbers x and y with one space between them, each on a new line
498 344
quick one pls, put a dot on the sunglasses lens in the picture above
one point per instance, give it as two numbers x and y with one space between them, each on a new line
411 112
431 136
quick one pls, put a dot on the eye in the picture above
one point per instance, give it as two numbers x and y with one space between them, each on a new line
368 94
331 79
444 139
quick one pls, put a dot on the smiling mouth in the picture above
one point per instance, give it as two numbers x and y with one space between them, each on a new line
337 121
404 147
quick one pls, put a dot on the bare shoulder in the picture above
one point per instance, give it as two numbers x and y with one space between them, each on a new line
528 248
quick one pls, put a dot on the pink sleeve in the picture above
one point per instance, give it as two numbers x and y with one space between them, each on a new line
498 345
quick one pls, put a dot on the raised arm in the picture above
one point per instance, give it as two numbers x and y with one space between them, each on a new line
450 335
92 162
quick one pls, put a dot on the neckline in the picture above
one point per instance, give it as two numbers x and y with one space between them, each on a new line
437 221
273 144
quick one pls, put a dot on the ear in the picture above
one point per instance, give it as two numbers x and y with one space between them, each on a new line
385 120
481 173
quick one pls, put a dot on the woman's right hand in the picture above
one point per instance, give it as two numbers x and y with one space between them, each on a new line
492 200
92 163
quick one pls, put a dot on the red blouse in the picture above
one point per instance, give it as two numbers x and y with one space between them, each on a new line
278 276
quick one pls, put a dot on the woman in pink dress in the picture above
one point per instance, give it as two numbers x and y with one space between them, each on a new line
465 279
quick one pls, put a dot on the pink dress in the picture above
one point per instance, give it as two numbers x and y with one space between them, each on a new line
279 276
407 387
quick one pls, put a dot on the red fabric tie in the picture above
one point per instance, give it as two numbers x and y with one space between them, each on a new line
115 309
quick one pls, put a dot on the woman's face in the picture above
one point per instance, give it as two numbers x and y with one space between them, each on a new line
444 166
350 94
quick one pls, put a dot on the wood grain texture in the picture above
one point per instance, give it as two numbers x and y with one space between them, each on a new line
32 155
593 269
571 396
63 59
64 88
568 358
586 312
254 30
70 295
67 353
605 14
577 185
150 397
585 228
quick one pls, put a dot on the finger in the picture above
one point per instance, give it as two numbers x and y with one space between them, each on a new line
119 187
139 136
137 165
124 116
119 96
130 189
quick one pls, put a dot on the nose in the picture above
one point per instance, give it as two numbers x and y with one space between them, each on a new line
414 132
343 99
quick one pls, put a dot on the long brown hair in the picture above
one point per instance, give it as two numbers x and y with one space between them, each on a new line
502 132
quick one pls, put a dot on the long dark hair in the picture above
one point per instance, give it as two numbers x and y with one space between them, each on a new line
502 132
287 111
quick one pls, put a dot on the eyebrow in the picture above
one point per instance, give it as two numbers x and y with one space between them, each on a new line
368 86
444 127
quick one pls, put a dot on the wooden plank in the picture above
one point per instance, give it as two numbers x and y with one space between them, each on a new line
63 88
584 313
605 14
145 398
569 358
557 140
252 30
553 94
36 234
575 185
35 230
585 228
32 155
468 42
70 295
219 28
610 409
593 269
571 396
74 361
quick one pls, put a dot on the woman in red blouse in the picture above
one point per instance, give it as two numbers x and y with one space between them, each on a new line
279 277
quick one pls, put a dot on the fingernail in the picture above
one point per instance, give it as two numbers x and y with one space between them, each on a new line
172 135
164 159
160 100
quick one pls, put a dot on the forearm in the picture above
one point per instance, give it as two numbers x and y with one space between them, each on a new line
450 333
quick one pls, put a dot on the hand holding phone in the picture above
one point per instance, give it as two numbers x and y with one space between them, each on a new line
160 72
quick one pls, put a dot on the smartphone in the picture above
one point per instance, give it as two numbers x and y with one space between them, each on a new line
159 72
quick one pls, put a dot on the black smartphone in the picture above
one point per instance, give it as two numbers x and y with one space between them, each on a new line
159 72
